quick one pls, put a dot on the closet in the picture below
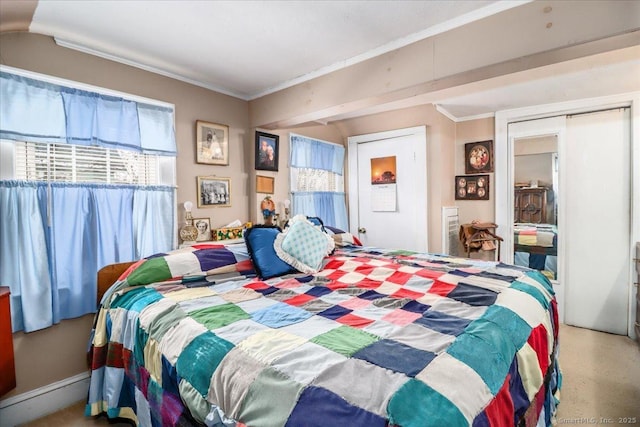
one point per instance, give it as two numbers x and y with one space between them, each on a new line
594 195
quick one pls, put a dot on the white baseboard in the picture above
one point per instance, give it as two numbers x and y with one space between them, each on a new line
42 401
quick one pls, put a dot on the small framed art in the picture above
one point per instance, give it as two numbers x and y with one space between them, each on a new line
204 229
265 184
266 151
214 191
212 143
472 187
478 157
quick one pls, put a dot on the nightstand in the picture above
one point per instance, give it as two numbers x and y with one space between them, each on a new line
7 364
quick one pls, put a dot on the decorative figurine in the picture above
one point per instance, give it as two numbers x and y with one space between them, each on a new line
268 208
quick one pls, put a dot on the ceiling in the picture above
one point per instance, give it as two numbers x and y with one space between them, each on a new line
248 49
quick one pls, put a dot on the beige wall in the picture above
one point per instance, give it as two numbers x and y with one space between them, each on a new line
52 354
473 131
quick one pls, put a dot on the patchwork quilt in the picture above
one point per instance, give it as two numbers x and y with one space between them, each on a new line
536 246
376 338
541 238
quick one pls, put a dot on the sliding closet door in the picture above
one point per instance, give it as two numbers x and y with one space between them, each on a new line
597 184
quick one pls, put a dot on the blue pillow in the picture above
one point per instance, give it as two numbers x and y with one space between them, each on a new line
259 240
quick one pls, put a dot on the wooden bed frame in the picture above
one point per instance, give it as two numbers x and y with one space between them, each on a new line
108 275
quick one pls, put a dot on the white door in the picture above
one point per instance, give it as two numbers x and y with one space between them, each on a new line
384 213
597 184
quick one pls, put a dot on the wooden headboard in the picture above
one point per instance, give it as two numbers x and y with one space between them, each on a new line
108 275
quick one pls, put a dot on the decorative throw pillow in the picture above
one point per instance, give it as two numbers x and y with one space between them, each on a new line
314 220
259 240
303 245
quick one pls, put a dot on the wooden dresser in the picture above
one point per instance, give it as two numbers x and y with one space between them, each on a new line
530 205
7 364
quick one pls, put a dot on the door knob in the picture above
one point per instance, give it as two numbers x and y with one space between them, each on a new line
362 230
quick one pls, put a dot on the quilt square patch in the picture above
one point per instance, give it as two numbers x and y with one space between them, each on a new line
345 340
299 300
369 386
369 284
401 317
319 407
396 356
304 363
219 315
473 295
318 291
269 344
371 295
279 315
443 323
416 307
335 312
353 320
355 303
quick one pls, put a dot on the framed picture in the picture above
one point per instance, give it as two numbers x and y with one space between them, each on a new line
264 184
478 157
204 229
472 187
266 151
214 191
212 143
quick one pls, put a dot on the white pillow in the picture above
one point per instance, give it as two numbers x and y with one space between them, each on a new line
303 245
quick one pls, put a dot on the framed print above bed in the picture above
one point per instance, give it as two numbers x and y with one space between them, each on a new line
266 151
212 143
214 191
478 157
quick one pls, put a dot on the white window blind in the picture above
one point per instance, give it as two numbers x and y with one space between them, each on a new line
308 179
37 161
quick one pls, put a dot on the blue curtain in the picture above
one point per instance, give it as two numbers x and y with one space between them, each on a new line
24 263
316 154
64 233
153 220
329 206
37 111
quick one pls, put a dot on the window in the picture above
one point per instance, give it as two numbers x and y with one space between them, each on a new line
308 179
317 181
87 179
37 161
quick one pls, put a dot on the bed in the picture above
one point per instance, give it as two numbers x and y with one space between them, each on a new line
536 246
374 337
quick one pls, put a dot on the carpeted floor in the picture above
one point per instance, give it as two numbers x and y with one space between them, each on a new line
601 384
601 378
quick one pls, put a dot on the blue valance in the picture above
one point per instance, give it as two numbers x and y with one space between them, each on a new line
316 154
37 111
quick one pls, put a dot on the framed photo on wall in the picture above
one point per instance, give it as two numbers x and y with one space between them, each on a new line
472 187
214 191
212 143
478 157
266 151
204 229
265 184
